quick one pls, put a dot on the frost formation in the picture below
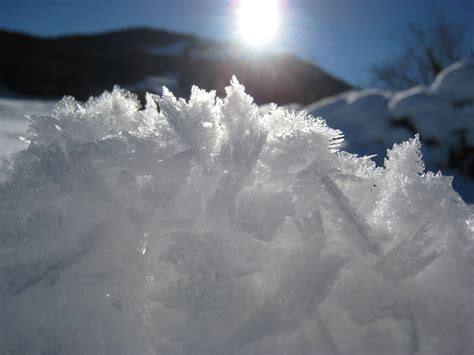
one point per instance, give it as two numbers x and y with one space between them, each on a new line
212 228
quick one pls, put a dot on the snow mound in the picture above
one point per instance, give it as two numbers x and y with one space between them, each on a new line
429 112
209 227
456 82
364 118
443 115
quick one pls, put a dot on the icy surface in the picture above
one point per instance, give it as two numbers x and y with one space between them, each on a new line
211 227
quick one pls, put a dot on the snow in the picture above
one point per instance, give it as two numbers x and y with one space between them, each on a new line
430 113
290 107
211 227
456 82
13 122
374 120
351 113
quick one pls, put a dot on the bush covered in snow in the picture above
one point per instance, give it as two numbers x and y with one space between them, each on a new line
213 228
443 115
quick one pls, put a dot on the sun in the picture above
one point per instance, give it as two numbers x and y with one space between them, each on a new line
258 21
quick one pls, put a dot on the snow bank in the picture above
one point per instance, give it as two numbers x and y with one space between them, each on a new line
364 118
213 228
428 112
443 115
456 82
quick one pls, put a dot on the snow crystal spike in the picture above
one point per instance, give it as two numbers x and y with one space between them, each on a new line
234 81
363 238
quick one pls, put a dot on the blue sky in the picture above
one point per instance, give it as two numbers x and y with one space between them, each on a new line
344 37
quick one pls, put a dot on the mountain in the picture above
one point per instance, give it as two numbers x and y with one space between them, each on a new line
144 59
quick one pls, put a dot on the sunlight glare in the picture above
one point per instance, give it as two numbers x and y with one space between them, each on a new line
258 21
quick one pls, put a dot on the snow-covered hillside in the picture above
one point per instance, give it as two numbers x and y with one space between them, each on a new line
214 228
443 115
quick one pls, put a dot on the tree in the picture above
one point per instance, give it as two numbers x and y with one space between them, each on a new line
426 49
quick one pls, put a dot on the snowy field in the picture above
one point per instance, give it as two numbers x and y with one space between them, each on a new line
216 228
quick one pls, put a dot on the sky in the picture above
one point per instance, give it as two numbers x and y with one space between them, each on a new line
344 37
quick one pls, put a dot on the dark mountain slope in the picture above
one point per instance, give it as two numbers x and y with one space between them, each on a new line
88 64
